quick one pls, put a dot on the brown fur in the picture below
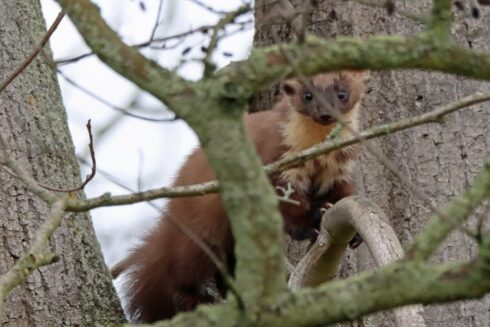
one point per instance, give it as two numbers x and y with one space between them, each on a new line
166 273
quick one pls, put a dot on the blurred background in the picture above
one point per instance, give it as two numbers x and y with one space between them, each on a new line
137 153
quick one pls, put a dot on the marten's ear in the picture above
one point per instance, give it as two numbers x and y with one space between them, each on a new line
359 74
289 87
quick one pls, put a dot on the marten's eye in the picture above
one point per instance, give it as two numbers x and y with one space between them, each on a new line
342 95
307 96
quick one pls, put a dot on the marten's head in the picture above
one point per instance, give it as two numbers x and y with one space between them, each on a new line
337 92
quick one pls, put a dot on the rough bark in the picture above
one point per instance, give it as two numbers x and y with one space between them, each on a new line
77 290
440 159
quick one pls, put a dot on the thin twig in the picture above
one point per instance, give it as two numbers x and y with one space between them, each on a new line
201 29
117 181
209 67
113 106
13 168
157 22
208 8
89 177
34 53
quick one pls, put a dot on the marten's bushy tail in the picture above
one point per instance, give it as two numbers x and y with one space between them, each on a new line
165 275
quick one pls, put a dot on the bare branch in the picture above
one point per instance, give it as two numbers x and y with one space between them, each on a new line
202 29
208 8
434 116
157 21
89 177
209 67
147 74
15 169
123 111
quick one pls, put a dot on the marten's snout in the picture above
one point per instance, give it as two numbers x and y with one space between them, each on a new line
325 117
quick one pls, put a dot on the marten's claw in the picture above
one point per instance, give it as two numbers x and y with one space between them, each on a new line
325 207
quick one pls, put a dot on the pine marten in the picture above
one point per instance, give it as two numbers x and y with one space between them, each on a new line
167 272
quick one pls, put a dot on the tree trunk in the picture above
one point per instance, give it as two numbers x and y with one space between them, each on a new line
441 160
77 290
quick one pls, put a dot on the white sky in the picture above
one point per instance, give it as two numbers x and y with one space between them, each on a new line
134 147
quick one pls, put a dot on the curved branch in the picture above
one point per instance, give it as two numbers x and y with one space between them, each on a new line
400 283
339 225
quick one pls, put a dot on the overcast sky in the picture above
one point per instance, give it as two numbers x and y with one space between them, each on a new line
136 153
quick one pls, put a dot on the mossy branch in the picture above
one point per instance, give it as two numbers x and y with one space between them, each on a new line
266 65
36 256
456 212
441 19
398 284
395 285
256 226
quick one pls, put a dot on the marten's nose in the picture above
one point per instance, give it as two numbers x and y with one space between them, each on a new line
324 117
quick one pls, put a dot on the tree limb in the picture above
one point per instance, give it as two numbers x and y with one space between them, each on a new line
36 256
434 116
126 60
405 282
457 211
441 19
339 224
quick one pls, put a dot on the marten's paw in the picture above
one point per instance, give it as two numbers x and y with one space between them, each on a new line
317 218
188 299
318 214
325 207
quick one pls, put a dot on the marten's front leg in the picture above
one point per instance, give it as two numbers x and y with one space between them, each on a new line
338 191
